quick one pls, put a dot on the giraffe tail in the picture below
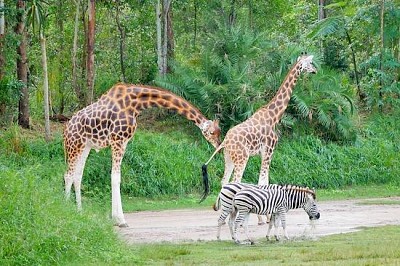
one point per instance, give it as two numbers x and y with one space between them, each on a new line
205 174
205 182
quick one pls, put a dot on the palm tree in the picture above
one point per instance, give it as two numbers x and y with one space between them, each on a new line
35 17
339 25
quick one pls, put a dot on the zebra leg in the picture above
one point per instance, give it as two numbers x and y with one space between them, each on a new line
238 221
246 228
231 222
284 226
221 221
272 221
276 225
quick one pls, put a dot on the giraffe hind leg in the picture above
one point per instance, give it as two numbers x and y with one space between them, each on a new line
77 178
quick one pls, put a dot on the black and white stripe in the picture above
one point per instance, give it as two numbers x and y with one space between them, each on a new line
225 200
271 201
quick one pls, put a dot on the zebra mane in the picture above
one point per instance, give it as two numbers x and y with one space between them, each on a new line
301 189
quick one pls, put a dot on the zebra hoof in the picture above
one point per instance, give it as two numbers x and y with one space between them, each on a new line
261 223
123 225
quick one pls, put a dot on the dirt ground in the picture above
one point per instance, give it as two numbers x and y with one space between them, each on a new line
188 225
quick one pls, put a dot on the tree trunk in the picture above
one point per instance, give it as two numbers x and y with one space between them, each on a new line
75 85
90 51
361 94
45 88
2 30
122 37
380 103
61 64
159 39
321 16
22 66
170 38
166 5
195 25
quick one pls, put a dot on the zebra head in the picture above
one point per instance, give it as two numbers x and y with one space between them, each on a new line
311 207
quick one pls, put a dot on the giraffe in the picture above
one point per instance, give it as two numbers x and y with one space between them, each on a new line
257 135
111 121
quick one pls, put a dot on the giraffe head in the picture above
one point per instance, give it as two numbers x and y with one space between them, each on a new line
306 64
211 132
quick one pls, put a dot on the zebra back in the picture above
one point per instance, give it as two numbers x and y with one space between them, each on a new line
261 201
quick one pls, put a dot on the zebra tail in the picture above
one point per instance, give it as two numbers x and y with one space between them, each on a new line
217 204
205 182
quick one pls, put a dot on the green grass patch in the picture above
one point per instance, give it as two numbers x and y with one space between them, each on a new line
373 246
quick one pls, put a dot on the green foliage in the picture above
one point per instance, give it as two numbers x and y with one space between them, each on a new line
226 78
39 228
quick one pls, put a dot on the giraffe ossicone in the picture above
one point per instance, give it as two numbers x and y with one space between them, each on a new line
256 135
111 122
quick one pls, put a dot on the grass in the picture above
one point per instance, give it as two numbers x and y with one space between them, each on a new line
372 246
162 171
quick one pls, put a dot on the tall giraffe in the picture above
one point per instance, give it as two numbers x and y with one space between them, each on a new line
111 121
257 134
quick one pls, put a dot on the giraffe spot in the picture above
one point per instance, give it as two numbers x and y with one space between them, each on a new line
167 97
185 105
272 106
176 102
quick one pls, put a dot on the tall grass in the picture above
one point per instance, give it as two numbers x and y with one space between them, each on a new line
38 227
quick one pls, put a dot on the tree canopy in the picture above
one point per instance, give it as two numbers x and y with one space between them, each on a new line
227 57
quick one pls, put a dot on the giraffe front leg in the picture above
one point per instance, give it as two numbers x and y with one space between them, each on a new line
118 150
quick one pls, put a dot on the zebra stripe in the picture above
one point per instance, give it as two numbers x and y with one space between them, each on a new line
225 200
271 201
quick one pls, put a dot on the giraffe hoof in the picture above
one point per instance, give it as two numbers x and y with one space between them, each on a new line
123 225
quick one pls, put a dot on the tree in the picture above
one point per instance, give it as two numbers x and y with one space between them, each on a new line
2 30
22 66
90 50
165 36
36 16
339 25
75 80
122 39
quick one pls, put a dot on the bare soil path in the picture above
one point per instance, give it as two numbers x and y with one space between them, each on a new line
188 225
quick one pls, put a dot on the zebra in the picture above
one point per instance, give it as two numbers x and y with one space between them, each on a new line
271 201
225 200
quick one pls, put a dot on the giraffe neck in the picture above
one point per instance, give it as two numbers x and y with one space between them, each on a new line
139 98
277 106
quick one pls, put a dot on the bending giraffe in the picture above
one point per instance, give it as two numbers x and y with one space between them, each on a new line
111 121
257 134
